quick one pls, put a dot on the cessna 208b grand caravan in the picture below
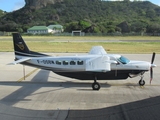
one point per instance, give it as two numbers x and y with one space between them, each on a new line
97 65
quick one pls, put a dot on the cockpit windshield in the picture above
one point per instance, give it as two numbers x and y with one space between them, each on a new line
123 60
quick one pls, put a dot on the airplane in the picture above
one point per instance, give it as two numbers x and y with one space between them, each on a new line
96 65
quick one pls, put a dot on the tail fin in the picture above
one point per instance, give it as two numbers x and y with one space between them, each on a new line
19 44
21 49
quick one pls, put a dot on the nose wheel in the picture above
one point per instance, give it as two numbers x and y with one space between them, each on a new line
141 81
96 85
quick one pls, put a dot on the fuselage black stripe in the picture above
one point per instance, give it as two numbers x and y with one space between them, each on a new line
31 54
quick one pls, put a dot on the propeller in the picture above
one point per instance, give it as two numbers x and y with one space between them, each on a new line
152 65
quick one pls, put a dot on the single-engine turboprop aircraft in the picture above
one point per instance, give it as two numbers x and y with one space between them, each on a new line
97 65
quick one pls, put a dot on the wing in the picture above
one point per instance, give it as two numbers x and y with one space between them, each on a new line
98 50
19 61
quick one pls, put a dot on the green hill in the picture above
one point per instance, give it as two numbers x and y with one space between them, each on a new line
2 13
88 15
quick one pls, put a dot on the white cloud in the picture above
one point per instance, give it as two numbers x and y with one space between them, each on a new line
18 5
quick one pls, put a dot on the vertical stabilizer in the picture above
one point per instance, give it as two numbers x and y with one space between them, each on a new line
21 49
19 44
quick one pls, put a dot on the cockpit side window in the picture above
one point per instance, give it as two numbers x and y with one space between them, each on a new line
123 60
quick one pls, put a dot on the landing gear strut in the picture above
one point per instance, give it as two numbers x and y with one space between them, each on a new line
141 81
96 85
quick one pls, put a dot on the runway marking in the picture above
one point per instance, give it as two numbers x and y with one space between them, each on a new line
21 79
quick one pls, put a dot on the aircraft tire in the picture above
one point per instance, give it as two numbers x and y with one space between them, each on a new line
141 82
96 86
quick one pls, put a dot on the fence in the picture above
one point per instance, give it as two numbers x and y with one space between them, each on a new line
5 33
110 34
87 34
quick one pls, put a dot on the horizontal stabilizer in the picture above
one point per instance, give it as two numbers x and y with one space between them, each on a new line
19 61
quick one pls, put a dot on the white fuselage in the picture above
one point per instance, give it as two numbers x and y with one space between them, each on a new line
94 63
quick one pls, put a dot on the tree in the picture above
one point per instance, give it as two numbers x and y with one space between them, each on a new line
20 30
2 13
72 26
96 30
151 13
138 26
154 28
84 24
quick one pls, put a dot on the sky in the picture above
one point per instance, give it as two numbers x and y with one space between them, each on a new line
12 5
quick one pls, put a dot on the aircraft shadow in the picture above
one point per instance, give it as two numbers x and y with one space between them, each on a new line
147 109
68 84
38 81
21 93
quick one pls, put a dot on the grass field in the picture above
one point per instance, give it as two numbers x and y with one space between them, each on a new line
45 44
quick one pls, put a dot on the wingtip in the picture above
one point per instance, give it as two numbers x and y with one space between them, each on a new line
11 64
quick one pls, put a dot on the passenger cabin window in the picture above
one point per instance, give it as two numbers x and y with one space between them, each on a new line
58 62
72 63
65 62
80 62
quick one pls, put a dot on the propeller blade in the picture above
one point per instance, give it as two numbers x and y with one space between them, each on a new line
151 69
151 74
153 57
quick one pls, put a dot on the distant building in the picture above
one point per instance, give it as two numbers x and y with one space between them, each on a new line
39 30
56 28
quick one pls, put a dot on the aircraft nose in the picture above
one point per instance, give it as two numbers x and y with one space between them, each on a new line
153 65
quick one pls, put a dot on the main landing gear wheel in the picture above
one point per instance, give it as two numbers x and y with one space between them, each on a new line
96 86
141 82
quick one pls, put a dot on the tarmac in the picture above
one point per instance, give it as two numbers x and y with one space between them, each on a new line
45 95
